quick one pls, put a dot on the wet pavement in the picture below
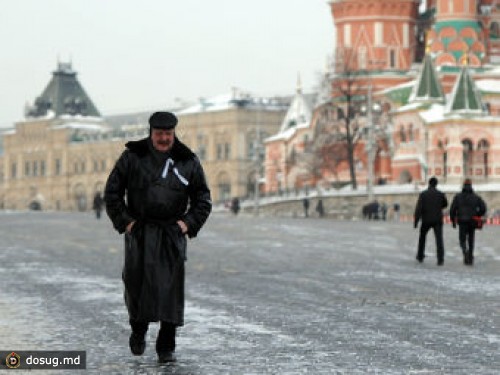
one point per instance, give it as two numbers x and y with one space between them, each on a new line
263 296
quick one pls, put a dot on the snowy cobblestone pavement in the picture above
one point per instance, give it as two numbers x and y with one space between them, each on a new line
264 296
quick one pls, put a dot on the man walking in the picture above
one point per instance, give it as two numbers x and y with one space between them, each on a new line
167 198
464 207
429 209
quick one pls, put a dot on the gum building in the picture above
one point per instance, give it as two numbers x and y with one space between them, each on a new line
60 154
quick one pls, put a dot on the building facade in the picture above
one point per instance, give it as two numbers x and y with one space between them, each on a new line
413 94
61 153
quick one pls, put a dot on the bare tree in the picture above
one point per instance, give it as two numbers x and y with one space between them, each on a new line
348 90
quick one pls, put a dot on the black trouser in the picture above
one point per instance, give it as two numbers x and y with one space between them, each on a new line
438 233
466 231
166 336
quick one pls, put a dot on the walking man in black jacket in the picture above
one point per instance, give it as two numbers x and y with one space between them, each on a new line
167 199
429 209
465 205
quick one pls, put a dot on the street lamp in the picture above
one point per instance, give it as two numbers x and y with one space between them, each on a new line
370 142
258 148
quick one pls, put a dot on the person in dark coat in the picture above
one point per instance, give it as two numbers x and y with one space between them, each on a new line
235 205
464 206
319 208
429 209
396 208
305 204
167 199
97 204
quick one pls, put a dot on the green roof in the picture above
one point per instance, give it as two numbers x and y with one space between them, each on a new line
465 97
428 87
400 95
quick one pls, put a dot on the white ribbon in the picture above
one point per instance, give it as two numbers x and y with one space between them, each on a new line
181 178
165 169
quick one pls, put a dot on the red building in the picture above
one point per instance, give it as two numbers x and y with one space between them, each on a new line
431 77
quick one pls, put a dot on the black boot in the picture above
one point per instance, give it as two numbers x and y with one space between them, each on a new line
137 340
470 259
165 343
467 258
137 343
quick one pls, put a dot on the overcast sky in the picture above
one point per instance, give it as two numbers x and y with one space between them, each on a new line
134 55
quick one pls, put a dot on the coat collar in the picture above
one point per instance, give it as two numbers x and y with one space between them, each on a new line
179 151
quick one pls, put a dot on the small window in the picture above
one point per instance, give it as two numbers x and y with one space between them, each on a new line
58 167
392 58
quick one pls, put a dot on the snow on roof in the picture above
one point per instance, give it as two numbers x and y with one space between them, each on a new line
226 101
217 103
400 86
409 107
489 85
288 133
81 125
48 116
80 117
436 113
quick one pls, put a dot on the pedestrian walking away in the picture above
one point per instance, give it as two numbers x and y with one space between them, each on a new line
160 178
98 204
467 209
383 211
320 209
396 209
305 203
429 210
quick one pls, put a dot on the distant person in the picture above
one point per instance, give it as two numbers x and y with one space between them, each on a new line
235 206
429 209
373 210
396 208
305 204
383 211
464 207
98 204
320 209
167 199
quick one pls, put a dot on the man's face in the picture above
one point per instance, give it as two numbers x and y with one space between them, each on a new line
162 139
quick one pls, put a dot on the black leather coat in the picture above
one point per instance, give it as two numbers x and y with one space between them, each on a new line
143 188
430 206
150 197
465 205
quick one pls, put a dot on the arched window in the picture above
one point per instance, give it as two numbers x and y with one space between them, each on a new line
467 157
402 134
494 30
482 150
444 153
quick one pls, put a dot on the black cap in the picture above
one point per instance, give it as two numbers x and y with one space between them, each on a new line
162 120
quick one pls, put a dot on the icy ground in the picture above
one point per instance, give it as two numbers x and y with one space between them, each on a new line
264 296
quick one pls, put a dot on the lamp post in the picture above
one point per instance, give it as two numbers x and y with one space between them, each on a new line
370 142
258 162
371 146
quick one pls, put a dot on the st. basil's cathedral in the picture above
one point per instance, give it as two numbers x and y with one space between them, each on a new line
414 88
